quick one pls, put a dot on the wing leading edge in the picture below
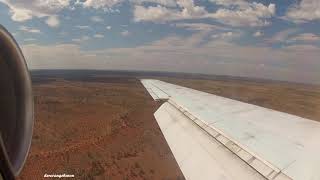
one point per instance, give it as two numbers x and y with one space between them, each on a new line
213 137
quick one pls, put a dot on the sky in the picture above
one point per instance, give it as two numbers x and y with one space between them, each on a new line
275 39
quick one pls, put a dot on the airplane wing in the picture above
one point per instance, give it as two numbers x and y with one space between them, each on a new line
213 137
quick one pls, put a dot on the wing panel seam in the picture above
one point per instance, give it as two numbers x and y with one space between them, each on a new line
261 166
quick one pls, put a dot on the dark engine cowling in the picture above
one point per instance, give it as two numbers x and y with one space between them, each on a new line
16 107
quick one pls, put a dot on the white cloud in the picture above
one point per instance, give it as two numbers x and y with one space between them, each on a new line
22 11
255 14
109 4
53 21
227 3
282 36
187 10
226 35
50 6
155 14
234 13
81 39
108 27
305 37
125 33
98 36
83 27
200 26
304 10
29 30
303 49
20 14
63 33
167 3
97 4
96 19
45 56
238 13
258 34
29 39
177 53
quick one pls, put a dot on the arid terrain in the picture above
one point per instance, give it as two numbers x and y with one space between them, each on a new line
97 130
102 126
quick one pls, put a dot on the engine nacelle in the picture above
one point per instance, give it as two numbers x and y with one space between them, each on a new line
16 107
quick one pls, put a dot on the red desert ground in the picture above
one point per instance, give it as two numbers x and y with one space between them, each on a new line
101 125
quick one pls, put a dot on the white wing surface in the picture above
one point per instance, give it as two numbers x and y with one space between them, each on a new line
213 137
